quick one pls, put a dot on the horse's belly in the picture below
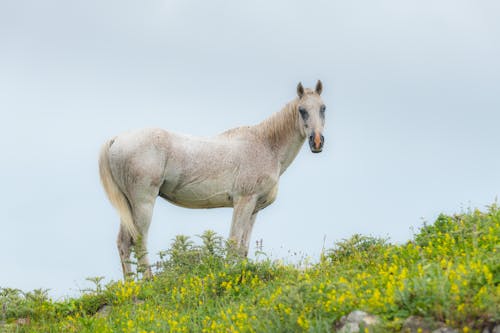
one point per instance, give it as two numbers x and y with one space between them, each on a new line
204 195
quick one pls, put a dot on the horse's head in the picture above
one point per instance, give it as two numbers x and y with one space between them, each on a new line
311 113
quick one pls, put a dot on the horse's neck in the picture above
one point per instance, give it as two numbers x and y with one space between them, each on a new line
288 152
281 131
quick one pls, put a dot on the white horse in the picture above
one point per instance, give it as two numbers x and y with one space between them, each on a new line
239 168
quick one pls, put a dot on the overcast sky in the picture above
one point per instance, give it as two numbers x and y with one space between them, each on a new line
412 90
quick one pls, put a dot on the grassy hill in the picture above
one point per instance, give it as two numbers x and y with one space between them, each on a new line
449 272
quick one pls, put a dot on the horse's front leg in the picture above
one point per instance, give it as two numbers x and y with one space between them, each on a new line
244 215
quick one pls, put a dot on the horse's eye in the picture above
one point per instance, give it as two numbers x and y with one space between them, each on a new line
322 109
303 113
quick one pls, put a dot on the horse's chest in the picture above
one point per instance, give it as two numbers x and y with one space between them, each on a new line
268 198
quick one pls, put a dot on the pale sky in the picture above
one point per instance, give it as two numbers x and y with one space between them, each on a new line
412 90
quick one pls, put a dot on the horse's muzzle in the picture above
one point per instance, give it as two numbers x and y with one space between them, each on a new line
316 141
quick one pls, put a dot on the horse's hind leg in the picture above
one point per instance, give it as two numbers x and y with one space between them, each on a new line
142 213
124 243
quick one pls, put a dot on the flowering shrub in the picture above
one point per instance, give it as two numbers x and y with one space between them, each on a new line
449 272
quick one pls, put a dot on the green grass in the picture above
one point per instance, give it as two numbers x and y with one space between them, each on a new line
449 272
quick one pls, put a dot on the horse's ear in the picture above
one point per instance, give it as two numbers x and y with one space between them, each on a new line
300 90
319 87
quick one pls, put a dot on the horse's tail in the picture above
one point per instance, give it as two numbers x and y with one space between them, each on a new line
115 195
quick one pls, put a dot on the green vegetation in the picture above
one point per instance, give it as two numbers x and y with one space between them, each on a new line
449 272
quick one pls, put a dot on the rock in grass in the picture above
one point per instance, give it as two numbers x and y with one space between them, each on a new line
104 311
362 317
414 324
356 321
349 328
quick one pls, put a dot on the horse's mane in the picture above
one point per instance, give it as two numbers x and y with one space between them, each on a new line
275 129
280 125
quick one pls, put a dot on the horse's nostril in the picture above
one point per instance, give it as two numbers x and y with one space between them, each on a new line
311 139
316 141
